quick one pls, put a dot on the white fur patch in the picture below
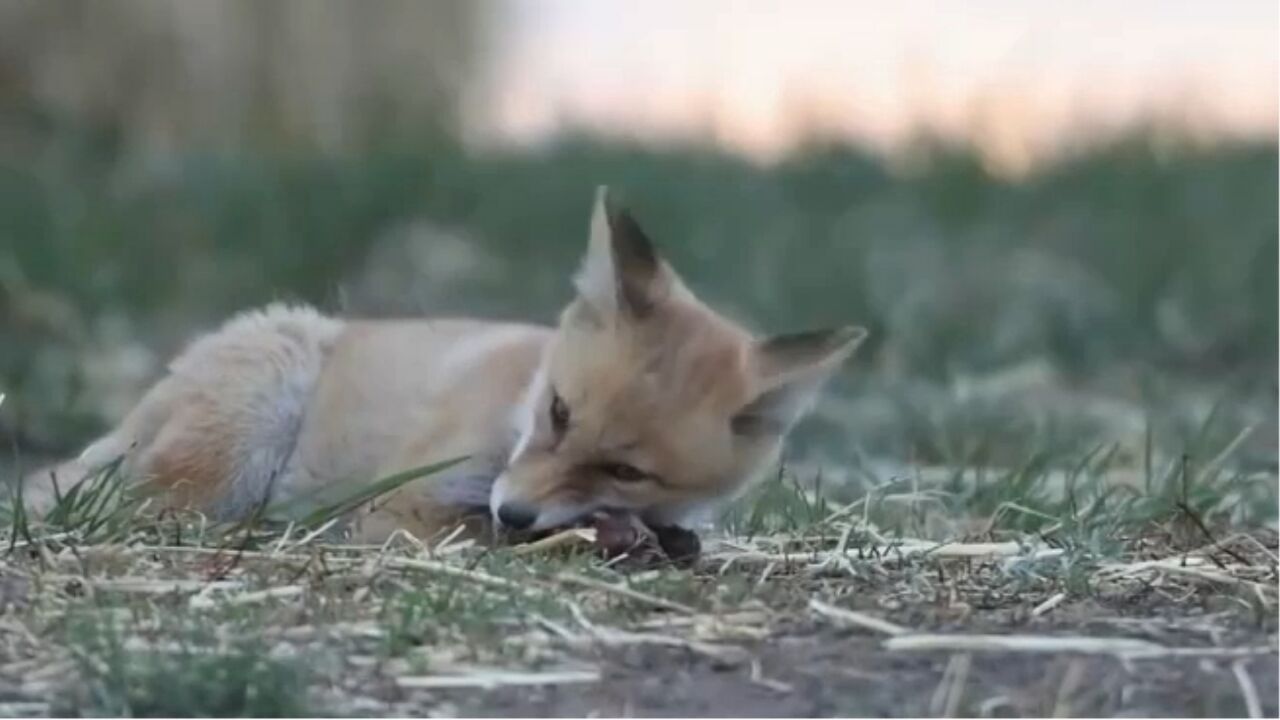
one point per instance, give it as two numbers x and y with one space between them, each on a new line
597 280
498 494
558 515
524 418
103 451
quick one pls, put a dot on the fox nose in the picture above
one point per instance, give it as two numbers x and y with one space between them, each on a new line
517 516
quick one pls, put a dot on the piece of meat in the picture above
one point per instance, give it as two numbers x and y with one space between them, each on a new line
618 533
625 534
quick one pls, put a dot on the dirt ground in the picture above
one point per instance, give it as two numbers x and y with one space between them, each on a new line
811 674
1219 660
806 669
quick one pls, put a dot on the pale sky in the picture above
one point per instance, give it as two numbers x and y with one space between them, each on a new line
1015 75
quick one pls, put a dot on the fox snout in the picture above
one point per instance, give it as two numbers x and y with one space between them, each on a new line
516 515
513 512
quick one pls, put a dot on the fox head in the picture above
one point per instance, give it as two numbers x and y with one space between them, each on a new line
647 400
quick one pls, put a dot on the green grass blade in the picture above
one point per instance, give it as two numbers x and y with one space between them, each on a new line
361 495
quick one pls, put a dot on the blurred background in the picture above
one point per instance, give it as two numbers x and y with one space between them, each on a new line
1059 219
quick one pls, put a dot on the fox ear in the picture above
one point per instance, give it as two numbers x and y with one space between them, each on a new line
792 370
621 273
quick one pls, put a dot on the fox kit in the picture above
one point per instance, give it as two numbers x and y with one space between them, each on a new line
641 400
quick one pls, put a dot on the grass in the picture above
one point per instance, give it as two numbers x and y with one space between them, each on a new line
98 508
120 612
181 669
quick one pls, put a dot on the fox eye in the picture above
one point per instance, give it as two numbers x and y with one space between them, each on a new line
623 472
559 413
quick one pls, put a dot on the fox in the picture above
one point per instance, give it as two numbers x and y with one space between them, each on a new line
641 399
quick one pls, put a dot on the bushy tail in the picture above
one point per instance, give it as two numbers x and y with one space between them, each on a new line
39 490
221 426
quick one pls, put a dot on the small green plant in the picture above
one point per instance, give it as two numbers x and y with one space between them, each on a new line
449 612
779 504
186 671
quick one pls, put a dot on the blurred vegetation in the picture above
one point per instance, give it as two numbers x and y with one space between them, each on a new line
1172 252
201 159
161 75
1138 251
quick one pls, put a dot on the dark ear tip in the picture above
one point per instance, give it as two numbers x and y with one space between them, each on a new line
824 341
619 215
849 335
845 340
629 238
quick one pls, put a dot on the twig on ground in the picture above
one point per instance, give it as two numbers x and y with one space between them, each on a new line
1021 643
757 677
626 592
1067 689
277 593
146 586
1187 566
1252 704
1126 647
497 678
620 638
581 537
853 617
1048 605
950 691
